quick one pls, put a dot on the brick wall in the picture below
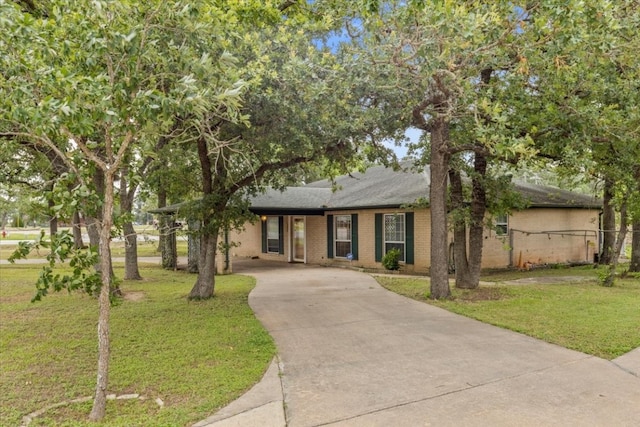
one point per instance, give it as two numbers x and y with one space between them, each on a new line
497 252
572 237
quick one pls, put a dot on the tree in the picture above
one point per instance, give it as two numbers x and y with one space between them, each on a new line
94 85
300 107
590 112
132 175
455 67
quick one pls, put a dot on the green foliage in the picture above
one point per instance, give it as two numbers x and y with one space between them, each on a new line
607 275
391 260
62 249
17 221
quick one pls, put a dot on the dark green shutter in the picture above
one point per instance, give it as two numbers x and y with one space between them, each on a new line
378 237
354 235
264 236
329 236
408 253
281 235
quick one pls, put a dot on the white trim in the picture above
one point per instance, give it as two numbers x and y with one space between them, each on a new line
335 235
500 224
404 234
293 239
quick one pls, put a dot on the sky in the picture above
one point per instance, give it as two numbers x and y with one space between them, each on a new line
413 134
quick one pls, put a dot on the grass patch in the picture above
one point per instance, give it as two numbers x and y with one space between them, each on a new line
583 316
195 356
148 248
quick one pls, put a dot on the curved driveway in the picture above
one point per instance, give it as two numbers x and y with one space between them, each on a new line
355 354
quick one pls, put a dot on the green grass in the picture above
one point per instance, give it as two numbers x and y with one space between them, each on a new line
149 248
145 248
195 356
583 316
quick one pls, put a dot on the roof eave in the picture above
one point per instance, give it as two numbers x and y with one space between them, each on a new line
564 205
288 211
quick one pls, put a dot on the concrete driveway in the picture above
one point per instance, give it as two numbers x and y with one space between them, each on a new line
354 354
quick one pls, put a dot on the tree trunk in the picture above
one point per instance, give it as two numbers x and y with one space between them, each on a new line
608 224
204 287
193 249
100 399
77 231
469 277
635 247
53 220
131 271
205 283
622 234
459 228
634 266
468 265
476 228
162 202
94 227
93 230
168 241
438 207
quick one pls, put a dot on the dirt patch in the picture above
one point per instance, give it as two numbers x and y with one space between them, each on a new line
134 296
546 280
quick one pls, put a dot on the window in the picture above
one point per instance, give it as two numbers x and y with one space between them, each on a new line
394 233
273 234
502 225
343 235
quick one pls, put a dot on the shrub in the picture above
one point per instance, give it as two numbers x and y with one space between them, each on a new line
390 260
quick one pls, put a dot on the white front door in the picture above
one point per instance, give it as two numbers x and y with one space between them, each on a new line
299 241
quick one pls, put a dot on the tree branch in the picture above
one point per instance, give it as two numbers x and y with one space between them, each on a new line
286 5
42 141
266 167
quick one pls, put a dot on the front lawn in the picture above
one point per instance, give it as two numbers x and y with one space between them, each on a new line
194 356
580 314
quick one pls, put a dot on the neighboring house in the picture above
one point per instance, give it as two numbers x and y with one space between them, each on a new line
368 215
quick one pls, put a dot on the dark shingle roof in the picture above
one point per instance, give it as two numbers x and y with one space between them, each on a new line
380 186
544 196
376 187
302 199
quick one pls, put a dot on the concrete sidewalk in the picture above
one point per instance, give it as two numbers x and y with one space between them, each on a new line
353 354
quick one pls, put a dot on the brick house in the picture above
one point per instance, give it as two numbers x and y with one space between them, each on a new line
369 214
